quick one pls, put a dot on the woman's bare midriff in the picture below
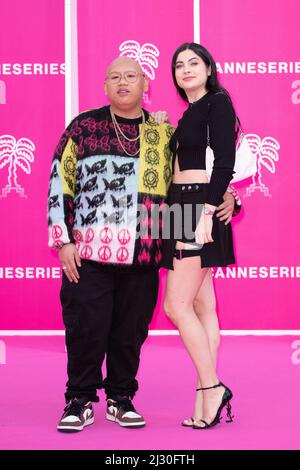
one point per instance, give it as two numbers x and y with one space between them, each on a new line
188 177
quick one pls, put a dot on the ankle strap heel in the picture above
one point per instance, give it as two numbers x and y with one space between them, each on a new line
208 388
225 401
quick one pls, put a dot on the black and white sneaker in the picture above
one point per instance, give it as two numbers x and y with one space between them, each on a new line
123 412
77 415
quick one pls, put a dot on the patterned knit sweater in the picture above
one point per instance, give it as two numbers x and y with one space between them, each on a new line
96 190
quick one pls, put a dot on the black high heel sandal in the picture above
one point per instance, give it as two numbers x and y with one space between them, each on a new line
184 422
227 396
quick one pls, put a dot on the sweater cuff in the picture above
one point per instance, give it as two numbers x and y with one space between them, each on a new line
217 187
237 200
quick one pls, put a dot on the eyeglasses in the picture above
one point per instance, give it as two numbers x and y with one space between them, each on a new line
115 77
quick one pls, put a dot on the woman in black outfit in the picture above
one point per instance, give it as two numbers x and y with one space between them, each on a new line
189 256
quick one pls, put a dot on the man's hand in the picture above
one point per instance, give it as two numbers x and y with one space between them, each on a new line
69 257
225 210
160 117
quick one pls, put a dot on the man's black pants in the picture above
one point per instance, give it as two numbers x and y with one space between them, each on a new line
107 312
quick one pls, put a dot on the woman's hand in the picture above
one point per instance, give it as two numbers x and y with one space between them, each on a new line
69 257
204 229
160 117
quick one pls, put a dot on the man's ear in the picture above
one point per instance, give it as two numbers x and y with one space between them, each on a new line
105 88
146 85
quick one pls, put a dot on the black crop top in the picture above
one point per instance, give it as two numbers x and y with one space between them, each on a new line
216 111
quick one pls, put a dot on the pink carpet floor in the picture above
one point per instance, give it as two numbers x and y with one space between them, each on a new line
259 370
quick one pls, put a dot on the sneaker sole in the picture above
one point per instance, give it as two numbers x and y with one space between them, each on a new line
72 429
125 425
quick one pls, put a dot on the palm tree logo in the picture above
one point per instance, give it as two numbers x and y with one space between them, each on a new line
146 55
15 154
266 151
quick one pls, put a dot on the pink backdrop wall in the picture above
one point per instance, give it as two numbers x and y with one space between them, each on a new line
268 105
257 35
32 33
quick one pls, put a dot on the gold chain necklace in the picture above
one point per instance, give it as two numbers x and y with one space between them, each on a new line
117 128
113 117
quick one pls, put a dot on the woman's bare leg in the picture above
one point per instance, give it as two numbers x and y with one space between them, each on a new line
205 308
182 287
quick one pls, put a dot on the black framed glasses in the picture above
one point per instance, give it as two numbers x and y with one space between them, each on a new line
130 76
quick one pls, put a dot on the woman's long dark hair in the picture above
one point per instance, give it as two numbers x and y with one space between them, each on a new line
212 83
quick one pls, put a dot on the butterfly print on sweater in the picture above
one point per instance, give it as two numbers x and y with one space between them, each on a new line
115 185
54 173
89 219
54 202
77 203
98 167
124 201
114 217
90 185
125 169
97 200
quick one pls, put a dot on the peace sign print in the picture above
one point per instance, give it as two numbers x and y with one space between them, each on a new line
89 236
122 254
77 235
104 253
56 231
58 243
86 252
106 235
124 236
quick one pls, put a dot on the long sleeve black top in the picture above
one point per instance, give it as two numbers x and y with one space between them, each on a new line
213 111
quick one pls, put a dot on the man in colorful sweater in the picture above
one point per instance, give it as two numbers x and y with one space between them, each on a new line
112 165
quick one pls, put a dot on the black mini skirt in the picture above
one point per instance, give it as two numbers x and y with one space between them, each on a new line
184 206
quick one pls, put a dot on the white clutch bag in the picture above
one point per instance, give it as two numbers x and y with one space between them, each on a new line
245 161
